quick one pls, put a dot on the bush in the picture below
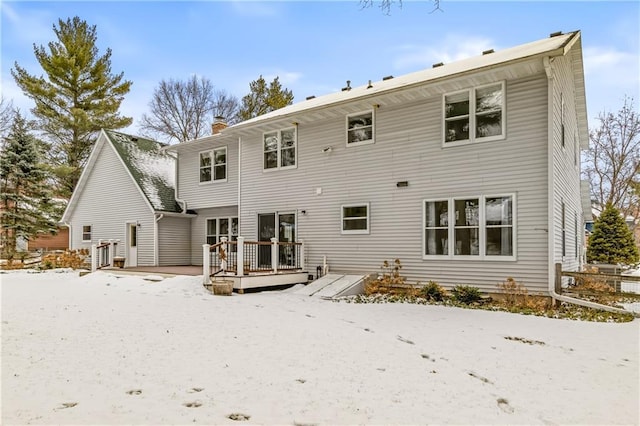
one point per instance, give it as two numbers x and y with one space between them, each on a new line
433 291
466 294
515 294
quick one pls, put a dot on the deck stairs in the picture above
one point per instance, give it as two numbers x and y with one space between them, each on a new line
334 285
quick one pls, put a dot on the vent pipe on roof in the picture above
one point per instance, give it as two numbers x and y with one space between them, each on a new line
486 52
556 34
389 77
370 85
310 97
218 125
439 64
345 89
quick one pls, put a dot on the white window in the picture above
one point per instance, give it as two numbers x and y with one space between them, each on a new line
474 115
355 219
213 165
279 148
360 128
472 227
222 227
86 233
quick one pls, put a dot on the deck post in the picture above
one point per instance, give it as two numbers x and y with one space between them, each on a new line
94 257
225 254
274 255
112 251
206 264
302 262
240 257
558 278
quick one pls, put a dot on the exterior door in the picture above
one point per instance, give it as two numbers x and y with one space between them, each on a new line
132 244
287 234
266 231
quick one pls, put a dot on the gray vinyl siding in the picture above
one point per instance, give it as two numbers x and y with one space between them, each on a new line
566 175
210 194
408 147
199 230
174 242
108 201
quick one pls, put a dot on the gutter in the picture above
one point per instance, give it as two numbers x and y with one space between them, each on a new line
550 205
239 184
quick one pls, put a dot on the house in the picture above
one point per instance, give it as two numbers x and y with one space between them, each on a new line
126 194
467 172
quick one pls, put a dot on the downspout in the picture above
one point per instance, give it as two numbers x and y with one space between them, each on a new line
239 184
550 207
68 225
156 256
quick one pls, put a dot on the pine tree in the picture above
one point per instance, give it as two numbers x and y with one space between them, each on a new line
263 99
611 241
78 96
26 205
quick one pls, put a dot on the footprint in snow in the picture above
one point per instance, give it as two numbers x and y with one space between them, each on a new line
134 391
193 390
238 416
67 405
504 406
193 404
402 339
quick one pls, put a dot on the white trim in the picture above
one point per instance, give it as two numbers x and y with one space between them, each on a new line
482 228
212 166
355 231
472 116
90 234
373 128
279 149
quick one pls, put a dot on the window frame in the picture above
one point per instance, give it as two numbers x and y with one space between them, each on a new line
212 154
373 128
85 233
473 114
232 236
482 228
279 149
366 231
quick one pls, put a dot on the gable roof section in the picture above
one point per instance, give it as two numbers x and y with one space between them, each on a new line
552 46
152 168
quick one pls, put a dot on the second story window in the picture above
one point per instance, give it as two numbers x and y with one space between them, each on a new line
279 149
474 115
213 165
360 129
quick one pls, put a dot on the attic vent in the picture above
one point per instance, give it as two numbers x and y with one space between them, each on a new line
556 34
310 97
348 87
486 52
389 77
439 64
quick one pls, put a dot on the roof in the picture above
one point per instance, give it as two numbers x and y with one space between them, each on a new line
551 46
152 168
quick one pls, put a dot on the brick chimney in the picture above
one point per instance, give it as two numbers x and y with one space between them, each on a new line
219 124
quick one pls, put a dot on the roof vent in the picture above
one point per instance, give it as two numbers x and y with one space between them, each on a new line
556 34
389 77
486 52
370 85
310 97
439 64
348 87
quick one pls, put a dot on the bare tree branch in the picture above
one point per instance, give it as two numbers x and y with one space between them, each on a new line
612 163
386 5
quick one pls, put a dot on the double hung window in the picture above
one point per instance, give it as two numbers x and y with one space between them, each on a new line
360 129
473 227
474 115
86 233
213 165
279 149
222 227
355 219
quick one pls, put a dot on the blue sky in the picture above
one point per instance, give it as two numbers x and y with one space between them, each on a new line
315 47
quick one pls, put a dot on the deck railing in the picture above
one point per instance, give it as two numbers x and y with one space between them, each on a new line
102 254
242 257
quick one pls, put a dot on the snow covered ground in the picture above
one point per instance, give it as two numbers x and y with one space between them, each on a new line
101 349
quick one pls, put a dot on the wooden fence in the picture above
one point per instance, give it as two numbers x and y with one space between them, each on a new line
613 279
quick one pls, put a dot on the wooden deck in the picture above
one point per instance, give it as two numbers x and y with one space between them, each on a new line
164 270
